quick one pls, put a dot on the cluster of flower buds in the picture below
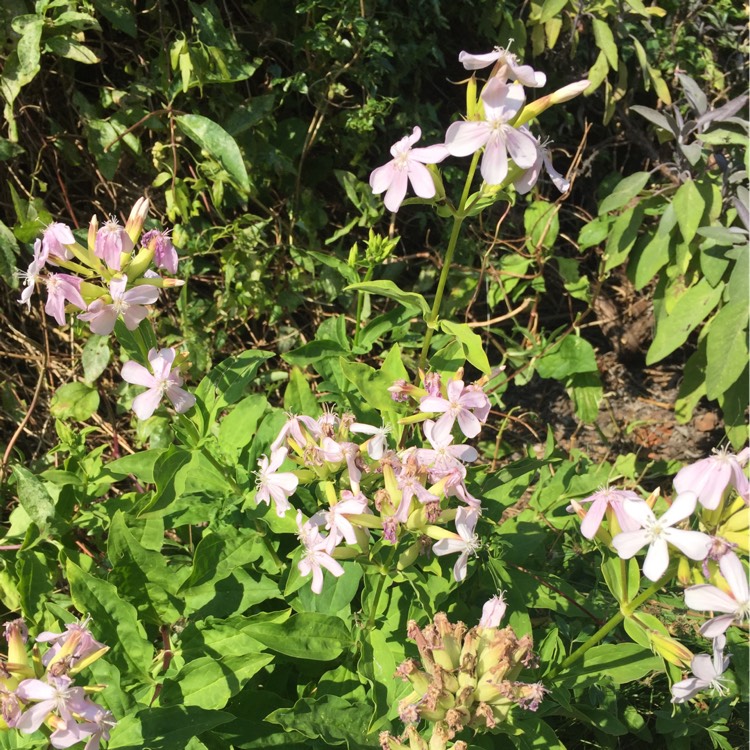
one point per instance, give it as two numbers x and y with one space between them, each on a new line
111 277
370 486
720 582
496 122
465 677
112 280
39 692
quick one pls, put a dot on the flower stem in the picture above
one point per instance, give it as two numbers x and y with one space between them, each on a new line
381 585
361 304
626 609
458 219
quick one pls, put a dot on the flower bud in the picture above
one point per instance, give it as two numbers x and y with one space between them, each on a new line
670 648
138 214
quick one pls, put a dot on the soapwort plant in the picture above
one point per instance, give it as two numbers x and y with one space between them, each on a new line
297 577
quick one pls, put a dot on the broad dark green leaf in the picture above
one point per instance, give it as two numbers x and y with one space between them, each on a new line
386 288
211 137
625 191
74 401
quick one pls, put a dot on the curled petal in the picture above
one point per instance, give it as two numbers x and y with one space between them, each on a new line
464 138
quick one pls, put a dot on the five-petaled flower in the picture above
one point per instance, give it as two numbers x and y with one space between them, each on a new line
315 555
162 381
659 534
129 305
710 477
495 134
273 484
407 165
466 542
469 405
707 671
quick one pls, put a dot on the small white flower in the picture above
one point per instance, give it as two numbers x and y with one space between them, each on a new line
466 541
707 673
659 534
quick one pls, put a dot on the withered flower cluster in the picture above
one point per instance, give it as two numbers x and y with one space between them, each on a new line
468 677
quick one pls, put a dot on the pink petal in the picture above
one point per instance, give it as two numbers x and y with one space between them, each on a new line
429 154
448 546
522 148
639 511
657 560
421 180
142 295
396 192
459 569
464 138
682 506
133 316
628 543
590 525
181 399
716 626
317 580
382 177
416 134
434 404
707 598
469 424
693 544
137 374
476 62
146 404
442 430
331 565
703 668
33 717
101 318
494 167
734 572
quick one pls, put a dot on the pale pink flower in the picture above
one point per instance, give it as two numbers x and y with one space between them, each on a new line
32 276
659 534
99 728
55 696
707 671
495 135
707 598
710 477
469 405
493 611
163 381
466 542
54 240
85 646
128 305
62 288
411 486
378 443
336 521
508 67
315 556
543 159
443 457
274 484
600 501
111 241
293 428
407 166
165 256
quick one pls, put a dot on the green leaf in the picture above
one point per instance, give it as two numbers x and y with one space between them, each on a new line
620 662
73 50
471 343
689 207
314 351
372 384
733 403
220 145
95 357
542 225
116 621
166 728
34 499
594 233
689 311
605 40
726 352
298 397
210 683
9 251
386 288
693 386
35 583
586 390
309 635
655 255
140 465
622 237
238 428
550 9
571 356
336 720
119 13
624 192
227 381
74 401
220 552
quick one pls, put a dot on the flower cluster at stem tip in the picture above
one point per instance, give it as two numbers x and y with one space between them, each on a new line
401 494
496 123
112 280
40 692
714 494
